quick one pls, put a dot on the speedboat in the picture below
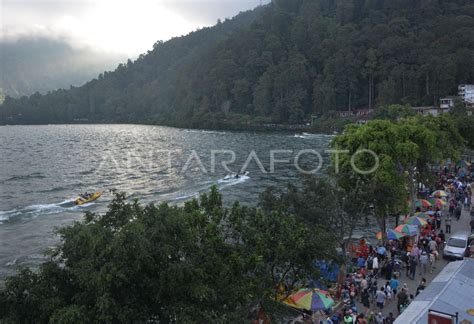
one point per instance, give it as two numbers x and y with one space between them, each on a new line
81 200
236 175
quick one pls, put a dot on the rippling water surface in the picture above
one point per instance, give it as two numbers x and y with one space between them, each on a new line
43 168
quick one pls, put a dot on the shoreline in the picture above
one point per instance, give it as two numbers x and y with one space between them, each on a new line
257 128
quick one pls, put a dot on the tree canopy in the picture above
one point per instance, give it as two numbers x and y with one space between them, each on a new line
279 63
199 263
390 158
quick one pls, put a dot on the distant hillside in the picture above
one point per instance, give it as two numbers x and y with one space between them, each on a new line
279 63
32 64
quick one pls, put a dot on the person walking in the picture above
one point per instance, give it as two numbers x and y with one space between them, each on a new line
402 300
380 298
394 283
389 319
451 207
432 260
360 319
365 297
421 287
389 270
415 252
348 319
438 218
442 236
413 264
447 222
433 246
407 263
457 211
373 287
423 262
388 292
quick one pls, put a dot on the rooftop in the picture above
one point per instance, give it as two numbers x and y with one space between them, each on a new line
451 291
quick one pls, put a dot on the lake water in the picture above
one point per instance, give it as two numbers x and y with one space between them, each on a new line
43 168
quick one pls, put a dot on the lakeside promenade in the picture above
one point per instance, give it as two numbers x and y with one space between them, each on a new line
391 306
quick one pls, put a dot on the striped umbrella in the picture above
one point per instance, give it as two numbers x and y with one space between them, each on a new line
423 215
422 203
391 235
410 230
311 299
437 202
416 221
439 193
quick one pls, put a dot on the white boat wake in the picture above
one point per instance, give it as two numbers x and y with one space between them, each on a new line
39 209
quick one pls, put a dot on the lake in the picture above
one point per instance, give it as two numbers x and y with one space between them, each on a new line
43 168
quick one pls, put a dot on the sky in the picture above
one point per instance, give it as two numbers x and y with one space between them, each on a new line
127 27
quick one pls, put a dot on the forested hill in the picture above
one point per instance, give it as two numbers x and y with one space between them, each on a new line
279 63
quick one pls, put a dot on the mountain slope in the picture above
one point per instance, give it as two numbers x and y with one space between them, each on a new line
279 63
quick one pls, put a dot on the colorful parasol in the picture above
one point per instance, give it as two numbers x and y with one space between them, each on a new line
423 215
422 203
391 235
310 299
416 221
439 193
437 202
410 230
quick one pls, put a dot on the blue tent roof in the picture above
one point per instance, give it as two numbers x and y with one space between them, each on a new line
329 270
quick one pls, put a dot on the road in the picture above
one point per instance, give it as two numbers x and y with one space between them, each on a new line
391 306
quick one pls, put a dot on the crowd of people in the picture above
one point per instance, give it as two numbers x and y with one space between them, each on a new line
376 281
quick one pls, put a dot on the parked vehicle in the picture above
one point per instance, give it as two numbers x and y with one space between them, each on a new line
457 246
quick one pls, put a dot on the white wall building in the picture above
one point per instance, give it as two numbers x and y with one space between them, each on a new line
446 103
427 110
466 92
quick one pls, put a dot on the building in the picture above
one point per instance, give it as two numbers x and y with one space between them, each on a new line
445 106
345 113
360 114
426 110
451 292
446 103
466 92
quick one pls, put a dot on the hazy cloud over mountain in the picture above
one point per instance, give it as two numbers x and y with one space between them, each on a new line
50 44
122 26
31 64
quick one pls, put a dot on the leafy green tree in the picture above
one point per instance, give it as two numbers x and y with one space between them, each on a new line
406 150
321 202
394 112
197 263
385 184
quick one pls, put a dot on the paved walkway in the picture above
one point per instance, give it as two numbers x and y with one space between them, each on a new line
391 307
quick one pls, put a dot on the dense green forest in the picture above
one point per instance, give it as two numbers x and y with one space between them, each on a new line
279 63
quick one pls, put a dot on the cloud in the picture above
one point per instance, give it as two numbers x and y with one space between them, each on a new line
208 11
121 26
